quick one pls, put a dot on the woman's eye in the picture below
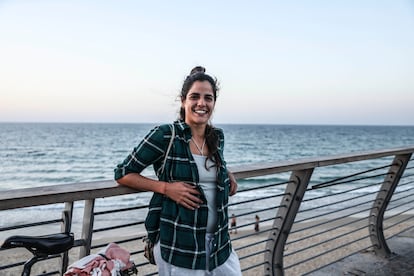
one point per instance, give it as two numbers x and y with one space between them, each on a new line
196 96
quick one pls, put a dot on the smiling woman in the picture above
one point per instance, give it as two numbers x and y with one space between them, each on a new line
198 98
193 186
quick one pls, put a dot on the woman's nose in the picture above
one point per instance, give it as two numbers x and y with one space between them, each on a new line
201 102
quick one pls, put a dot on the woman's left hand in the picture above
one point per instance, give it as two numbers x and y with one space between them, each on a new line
233 184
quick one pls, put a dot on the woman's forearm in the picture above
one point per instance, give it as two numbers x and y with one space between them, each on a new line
180 192
138 182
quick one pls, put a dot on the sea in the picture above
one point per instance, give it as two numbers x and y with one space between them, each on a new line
43 154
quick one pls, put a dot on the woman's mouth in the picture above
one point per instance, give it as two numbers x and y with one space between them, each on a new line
200 111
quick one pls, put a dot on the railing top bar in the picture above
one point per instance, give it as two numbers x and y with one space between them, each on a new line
20 198
90 190
260 169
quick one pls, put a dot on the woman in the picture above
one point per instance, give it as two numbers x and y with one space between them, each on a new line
188 217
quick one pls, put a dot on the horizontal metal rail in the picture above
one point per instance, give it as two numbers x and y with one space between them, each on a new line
297 234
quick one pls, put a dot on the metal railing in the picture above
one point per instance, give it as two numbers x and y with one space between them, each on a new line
311 213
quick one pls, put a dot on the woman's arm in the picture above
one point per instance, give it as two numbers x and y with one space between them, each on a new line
233 184
180 192
138 182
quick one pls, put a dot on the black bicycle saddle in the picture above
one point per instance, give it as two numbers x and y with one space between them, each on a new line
48 244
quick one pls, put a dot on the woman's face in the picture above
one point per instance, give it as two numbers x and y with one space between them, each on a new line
199 103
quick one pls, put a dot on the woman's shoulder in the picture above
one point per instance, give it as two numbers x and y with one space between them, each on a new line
165 127
159 132
163 131
218 131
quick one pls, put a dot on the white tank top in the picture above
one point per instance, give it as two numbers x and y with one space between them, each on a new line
208 183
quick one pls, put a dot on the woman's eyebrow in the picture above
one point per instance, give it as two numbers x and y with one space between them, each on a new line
195 93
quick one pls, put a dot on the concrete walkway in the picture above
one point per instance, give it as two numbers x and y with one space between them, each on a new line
368 264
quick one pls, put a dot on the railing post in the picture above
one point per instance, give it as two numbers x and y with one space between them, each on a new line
87 228
283 222
387 189
67 214
66 227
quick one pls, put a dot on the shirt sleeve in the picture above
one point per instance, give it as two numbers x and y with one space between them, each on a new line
149 151
221 139
220 135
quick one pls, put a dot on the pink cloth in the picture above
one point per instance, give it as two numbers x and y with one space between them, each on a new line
116 259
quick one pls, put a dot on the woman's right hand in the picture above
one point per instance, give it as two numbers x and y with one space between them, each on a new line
184 194
181 192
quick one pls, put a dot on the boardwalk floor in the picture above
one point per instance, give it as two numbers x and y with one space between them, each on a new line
368 264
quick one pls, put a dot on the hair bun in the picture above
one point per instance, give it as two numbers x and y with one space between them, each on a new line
198 69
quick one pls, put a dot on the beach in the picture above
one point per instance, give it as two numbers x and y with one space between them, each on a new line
17 255
364 261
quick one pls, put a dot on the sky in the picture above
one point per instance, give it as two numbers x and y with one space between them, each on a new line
277 62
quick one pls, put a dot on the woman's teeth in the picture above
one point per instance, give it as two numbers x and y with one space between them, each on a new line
200 111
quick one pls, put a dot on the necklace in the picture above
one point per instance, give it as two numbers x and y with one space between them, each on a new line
201 150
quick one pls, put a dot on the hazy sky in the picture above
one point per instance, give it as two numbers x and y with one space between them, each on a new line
281 62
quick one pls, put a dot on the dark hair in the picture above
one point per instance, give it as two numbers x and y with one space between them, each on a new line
198 73
212 139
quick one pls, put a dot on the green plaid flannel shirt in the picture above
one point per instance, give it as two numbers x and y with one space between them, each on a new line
181 231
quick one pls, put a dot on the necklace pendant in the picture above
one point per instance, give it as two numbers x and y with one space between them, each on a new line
200 150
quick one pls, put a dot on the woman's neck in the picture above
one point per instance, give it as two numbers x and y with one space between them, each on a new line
198 131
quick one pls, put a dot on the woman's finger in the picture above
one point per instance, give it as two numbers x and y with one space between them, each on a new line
233 188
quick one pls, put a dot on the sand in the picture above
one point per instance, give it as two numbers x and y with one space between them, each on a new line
21 255
250 250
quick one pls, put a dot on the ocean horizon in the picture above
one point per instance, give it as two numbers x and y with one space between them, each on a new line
42 153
